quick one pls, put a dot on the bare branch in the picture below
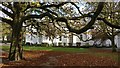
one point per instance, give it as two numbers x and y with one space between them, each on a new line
6 12
108 23
55 5
89 25
51 12
9 6
6 20
47 6
37 16
76 7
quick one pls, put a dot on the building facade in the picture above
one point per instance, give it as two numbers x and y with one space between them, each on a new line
67 40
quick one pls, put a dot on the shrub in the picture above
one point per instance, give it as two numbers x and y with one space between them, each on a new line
60 44
51 45
64 44
70 44
27 43
37 45
6 41
44 44
78 44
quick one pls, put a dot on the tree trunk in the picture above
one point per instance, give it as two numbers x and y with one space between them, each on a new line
3 38
113 41
16 50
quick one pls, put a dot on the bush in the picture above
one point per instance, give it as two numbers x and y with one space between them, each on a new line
97 46
51 45
44 44
86 45
27 43
64 44
70 44
37 44
6 42
60 44
78 44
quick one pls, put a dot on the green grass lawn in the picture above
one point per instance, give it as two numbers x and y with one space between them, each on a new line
29 48
4 48
64 49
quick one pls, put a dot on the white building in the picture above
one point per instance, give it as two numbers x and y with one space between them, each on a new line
64 40
34 39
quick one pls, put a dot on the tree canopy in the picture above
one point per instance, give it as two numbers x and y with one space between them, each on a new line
77 17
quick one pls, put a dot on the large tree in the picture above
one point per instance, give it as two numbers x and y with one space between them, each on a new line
111 16
19 12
